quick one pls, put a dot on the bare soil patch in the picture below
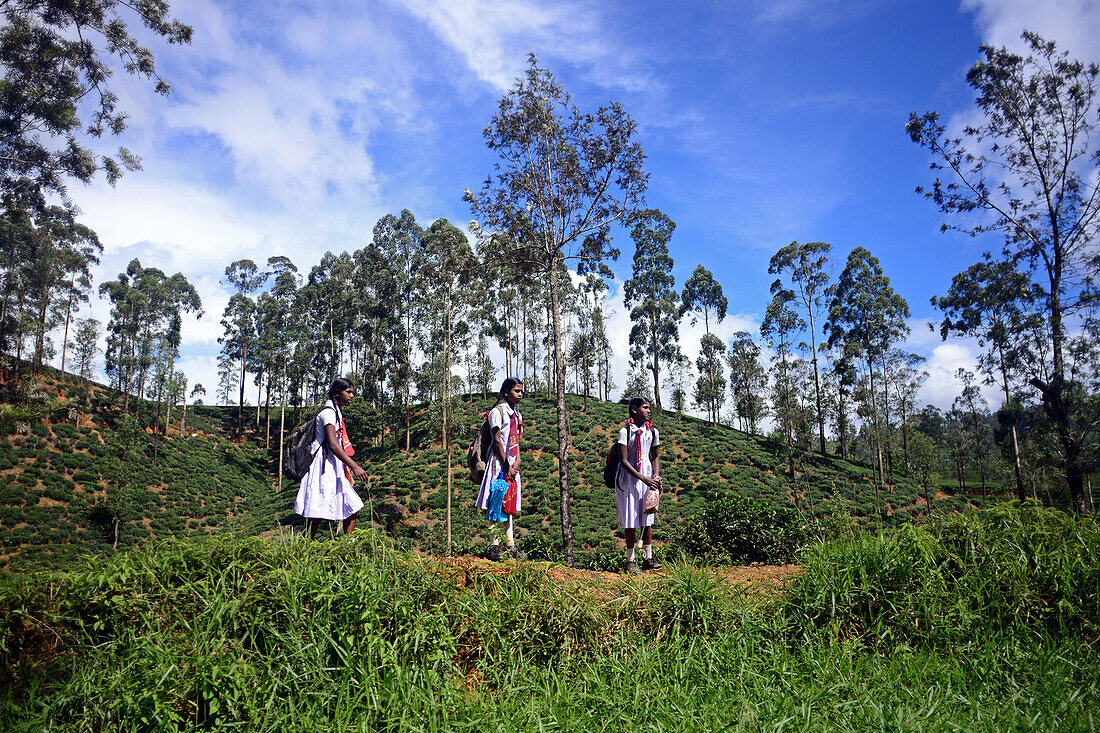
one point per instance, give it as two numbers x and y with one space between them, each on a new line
756 579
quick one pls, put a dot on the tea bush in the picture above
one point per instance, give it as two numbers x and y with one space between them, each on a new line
739 530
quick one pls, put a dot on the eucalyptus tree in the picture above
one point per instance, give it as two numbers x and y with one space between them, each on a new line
400 240
591 306
85 346
676 382
562 180
374 284
147 309
748 381
842 379
993 301
1028 172
973 406
447 267
780 326
866 317
710 387
805 267
16 239
47 259
58 272
924 456
239 321
593 333
277 335
906 376
702 295
58 58
651 295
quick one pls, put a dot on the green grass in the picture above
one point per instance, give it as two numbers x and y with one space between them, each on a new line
337 635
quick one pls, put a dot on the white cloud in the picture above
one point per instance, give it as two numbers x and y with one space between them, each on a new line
1073 24
494 37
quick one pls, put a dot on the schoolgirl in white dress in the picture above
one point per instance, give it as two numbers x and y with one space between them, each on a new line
326 491
638 474
506 429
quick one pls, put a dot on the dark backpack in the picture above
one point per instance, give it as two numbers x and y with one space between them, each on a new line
477 457
611 467
299 451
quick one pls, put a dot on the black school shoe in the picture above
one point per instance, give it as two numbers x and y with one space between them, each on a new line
494 553
651 564
516 553
630 568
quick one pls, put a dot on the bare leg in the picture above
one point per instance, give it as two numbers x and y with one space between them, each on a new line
313 524
647 536
349 523
630 535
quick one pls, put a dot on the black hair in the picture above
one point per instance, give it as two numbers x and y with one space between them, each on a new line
636 402
338 385
508 384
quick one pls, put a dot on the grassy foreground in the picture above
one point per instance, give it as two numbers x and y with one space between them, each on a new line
985 621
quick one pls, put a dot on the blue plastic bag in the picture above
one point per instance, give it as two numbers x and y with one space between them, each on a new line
495 510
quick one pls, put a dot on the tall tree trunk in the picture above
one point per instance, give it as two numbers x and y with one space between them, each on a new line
267 420
886 415
876 437
447 407
656 367
282 427
817 383
408 383
563 420
40 335
240 400
1054 392
551 344
1021 493
68 318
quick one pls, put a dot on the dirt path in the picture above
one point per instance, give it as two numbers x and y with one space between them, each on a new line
753 578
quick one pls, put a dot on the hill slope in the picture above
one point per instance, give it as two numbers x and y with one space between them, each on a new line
85 463
698 461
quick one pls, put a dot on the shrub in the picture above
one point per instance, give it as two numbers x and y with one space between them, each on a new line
738 529
956 578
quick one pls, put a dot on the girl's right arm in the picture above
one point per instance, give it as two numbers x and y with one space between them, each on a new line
625 463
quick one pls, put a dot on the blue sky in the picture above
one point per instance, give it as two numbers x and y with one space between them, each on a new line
293 127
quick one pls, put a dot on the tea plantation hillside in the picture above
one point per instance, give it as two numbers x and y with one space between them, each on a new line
699 461
82 463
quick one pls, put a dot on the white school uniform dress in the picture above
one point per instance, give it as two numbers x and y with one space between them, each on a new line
325 492
499 417
629 491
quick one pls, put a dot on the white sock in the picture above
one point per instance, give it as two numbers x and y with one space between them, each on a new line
630 554
508 538
648 552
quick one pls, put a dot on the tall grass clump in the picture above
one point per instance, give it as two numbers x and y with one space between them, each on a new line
350 634
1015 569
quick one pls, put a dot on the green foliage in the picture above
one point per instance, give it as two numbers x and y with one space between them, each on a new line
290 634
955 578
740 530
